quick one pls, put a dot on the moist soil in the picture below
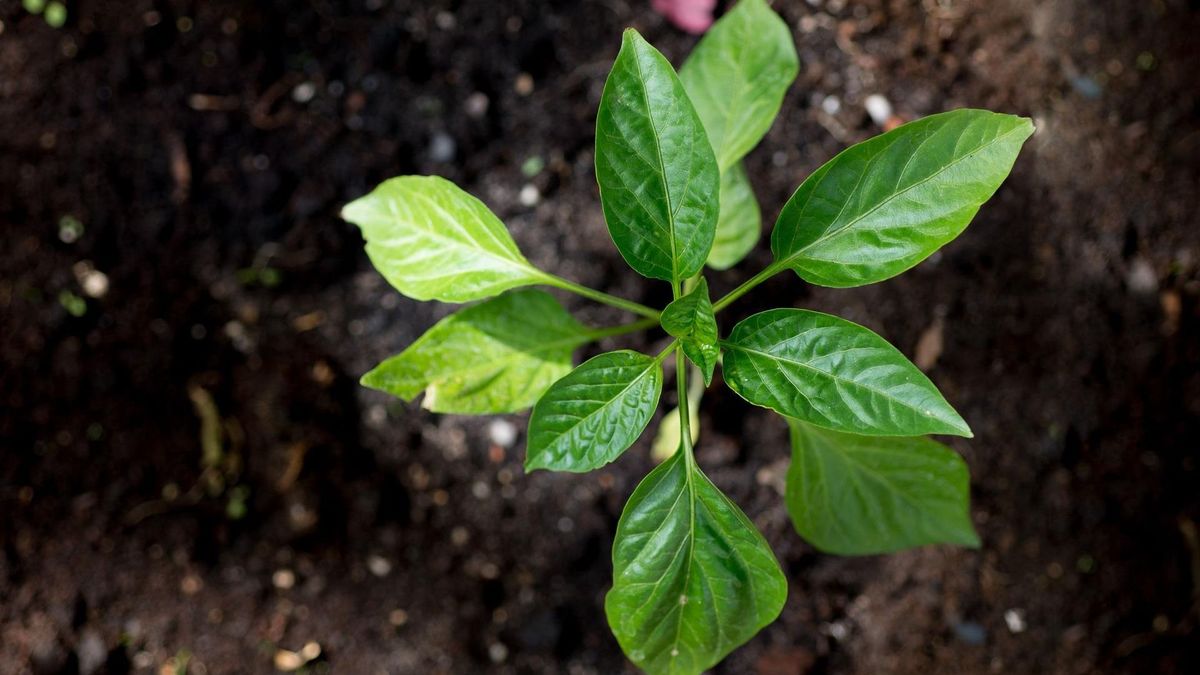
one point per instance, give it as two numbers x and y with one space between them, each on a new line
204 149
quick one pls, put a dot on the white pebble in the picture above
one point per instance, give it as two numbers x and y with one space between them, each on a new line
283 579
442 147
831 105
1015 620
879 108
95 284
379 565
502 432
304 92
477 105
529 195
1141 278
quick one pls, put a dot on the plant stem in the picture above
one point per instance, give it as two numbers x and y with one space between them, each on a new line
601 297
611 331
685 407
770 271
669 348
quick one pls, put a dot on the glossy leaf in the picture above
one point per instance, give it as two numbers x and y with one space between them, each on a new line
884 205
740 223
737 76
495 357
835 374
591 416
857 495
692 577
690 319
433 241
658 177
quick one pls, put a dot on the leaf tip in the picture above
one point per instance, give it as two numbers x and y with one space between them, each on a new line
970 539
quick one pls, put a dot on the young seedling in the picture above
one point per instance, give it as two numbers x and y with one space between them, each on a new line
693 578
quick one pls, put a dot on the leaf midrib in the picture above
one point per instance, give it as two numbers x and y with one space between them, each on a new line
519 262
624 390
512 355
855 384
662 167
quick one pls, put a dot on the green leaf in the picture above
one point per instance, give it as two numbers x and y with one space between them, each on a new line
495 357
737 76
658 177
834 374
690 319
433 241
692 577
884 205
859 495
740 222
591 416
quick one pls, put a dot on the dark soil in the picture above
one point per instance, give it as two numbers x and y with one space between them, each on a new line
206 148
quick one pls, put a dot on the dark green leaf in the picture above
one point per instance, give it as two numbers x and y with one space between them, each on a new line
740 223
858 495
884 205
737 76
495 357
658 177
433 241
690 319
591 416
692 577
835 374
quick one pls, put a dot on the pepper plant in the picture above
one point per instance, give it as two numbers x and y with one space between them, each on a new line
693 578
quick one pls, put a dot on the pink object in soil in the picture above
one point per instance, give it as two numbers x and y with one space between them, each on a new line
693 16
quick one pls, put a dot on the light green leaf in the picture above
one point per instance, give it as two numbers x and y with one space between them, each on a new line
495 357
690 319
658 177
740 224
859 495
834 374
433 241
737 76
884 205
591 416
692 577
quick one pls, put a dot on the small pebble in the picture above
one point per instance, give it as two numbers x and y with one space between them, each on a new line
445 20
477 105
524 84
1141 277
283 579
191 584
287 661
379 566
1087 87
831 105
879 108
442 147
529 195
1015 620
497 652
310 651
398 617
93 281
970 632
304 92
